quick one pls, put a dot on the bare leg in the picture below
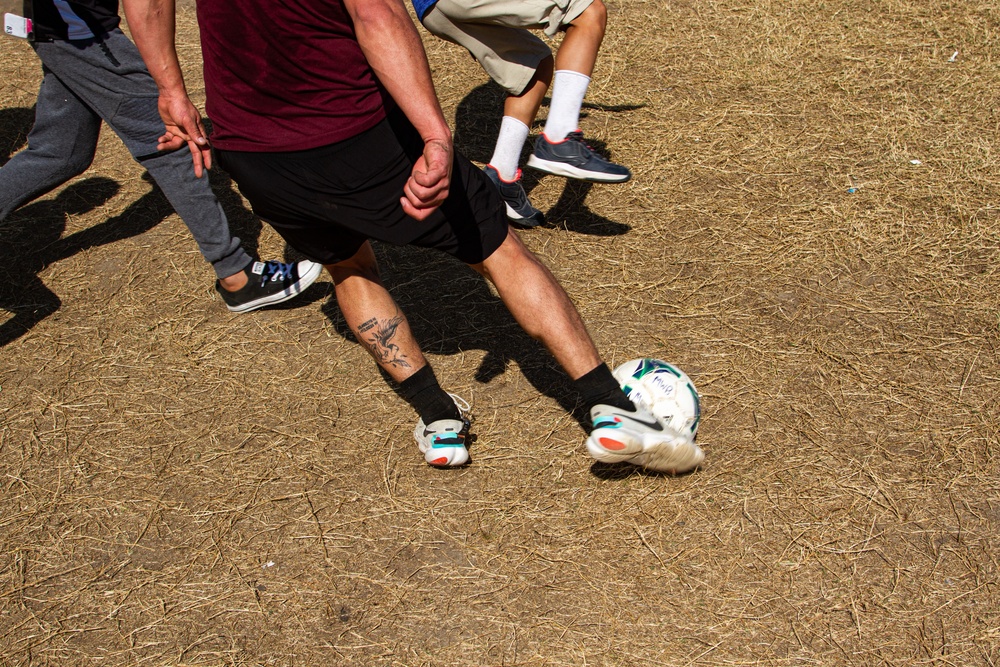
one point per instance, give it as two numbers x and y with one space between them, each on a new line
578 51
525 106
373 315
540 305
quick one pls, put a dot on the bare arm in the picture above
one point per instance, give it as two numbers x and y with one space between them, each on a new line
152 23
393 48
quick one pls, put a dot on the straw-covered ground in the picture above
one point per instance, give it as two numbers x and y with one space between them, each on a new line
812 233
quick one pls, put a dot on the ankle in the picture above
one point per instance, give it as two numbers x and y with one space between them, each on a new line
599 387
422 391
235 282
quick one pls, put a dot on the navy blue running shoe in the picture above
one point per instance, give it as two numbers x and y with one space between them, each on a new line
573 158
520 212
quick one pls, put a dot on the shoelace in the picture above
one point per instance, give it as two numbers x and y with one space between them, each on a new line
275 271
578 137
461 403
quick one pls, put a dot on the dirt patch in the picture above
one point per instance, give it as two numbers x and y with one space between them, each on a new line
811 234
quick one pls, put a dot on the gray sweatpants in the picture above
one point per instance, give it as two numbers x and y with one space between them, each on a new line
83 83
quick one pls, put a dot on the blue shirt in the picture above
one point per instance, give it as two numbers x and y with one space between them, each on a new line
422 7
72 19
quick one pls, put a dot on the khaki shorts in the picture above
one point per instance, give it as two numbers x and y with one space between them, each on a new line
497 33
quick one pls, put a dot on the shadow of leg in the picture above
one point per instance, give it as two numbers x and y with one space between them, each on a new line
451 310
141 215
29 304
14 127
31 241
572 213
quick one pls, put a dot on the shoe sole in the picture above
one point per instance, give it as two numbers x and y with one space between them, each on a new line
446 457
442 457
569 171
652 452
296 288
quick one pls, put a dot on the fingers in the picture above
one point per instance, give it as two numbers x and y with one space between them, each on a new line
197 159
429 182
169 142
186 121
419 201
183 126
436 191
204 151
201 151
420 206
412 211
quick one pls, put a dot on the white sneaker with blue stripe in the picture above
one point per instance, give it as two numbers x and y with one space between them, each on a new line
443 442
641 439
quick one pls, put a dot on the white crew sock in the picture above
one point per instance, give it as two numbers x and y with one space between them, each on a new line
568 89
510 141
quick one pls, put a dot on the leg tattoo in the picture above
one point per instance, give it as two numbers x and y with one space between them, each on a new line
379 341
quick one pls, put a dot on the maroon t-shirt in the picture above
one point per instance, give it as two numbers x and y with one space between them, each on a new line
284 75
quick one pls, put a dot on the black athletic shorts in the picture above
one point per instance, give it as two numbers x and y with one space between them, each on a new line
327 201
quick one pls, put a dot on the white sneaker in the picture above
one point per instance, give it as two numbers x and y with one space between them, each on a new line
639 438
443 442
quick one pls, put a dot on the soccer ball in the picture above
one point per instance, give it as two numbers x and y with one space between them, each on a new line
664 390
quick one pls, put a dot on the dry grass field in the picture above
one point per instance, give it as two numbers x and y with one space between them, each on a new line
812 233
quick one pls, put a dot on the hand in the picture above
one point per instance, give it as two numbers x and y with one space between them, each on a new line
427 187
183 126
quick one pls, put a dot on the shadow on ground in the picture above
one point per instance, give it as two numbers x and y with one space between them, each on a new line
14 127
452 310
477 123
31 239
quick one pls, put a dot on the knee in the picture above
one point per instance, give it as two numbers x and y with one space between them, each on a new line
361 265
76 160
511 258
66 165
594 18
544 70
74 169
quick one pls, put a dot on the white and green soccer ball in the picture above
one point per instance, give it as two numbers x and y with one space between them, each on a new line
664 390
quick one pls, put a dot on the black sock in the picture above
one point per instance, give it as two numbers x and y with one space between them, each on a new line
422 391
599 387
